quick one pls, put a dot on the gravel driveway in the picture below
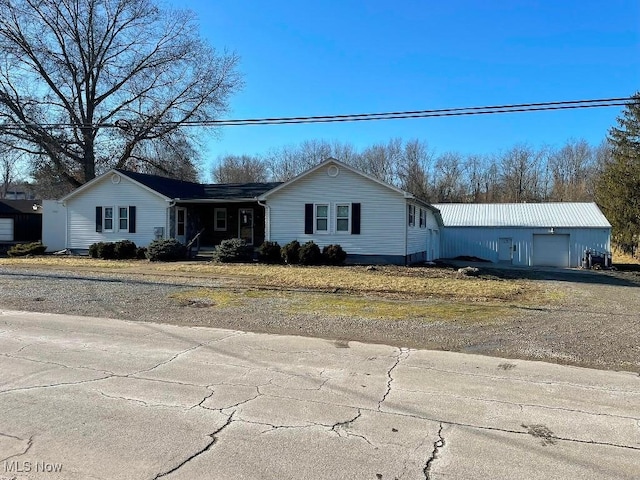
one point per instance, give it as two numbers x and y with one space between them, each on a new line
596 324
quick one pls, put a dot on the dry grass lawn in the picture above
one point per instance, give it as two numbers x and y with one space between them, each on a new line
389 282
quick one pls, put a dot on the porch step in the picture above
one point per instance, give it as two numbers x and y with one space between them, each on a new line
205 252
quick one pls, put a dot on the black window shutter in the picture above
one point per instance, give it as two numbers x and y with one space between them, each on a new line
98 219
132 219
355 219
308 218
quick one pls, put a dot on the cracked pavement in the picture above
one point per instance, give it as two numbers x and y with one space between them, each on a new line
109 399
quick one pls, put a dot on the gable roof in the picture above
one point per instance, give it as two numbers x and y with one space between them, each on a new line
173 189
341 165
561 214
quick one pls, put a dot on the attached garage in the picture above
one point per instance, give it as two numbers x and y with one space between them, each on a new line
524 234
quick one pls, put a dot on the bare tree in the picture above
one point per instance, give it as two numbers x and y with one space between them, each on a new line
71 70
520 174
449 178
240 169
413 169
572 168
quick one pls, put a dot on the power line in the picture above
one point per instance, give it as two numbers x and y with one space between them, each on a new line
360 117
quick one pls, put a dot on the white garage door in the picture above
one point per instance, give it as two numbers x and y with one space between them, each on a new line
6 229
551 250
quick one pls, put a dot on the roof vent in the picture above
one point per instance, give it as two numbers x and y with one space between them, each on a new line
115 179
333 171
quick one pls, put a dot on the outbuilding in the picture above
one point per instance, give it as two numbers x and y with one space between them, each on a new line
524 234
20 221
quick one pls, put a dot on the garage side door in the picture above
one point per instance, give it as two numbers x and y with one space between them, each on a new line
551 250
6 229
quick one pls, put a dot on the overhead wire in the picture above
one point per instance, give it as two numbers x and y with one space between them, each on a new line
124 124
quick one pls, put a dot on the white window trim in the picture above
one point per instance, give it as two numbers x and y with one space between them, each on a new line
215 220
119 218
423 218
315 219
348 230
411 214
104 218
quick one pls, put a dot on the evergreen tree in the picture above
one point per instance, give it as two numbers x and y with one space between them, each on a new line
618 188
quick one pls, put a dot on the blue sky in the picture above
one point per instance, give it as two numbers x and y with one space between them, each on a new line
359 56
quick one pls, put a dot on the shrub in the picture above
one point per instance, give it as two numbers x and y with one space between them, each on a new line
107 251
269 252
310 254
333 255
233 250
291 253
166 250
95 249
141 253
23 249
125 249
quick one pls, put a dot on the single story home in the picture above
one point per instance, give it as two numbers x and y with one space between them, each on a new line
20 221
374 222
525 234
331 203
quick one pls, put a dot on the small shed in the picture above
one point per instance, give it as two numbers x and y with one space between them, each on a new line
524 234
20 221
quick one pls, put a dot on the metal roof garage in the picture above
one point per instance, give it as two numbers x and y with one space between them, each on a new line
524 234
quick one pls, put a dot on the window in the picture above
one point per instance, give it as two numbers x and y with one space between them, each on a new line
181 222
106 216
322 218
123 219
220 219
343 218
423 218
412 215
108 219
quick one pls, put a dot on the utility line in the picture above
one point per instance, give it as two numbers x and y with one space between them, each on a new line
124 124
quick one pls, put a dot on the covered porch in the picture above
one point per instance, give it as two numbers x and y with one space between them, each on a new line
204 225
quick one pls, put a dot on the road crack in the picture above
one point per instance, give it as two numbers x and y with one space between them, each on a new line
403 353
205 449
437 446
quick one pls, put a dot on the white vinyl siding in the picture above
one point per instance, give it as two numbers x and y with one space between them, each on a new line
383 212
151 212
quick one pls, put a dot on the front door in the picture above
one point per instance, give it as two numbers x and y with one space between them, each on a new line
181 224
505 250
245 225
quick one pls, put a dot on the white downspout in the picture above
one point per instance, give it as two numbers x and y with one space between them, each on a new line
267 220
167 230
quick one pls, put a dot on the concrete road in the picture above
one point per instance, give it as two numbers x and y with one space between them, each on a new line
85 398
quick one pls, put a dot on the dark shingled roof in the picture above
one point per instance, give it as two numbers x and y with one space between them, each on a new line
12 207
238 190
168 187
195 191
